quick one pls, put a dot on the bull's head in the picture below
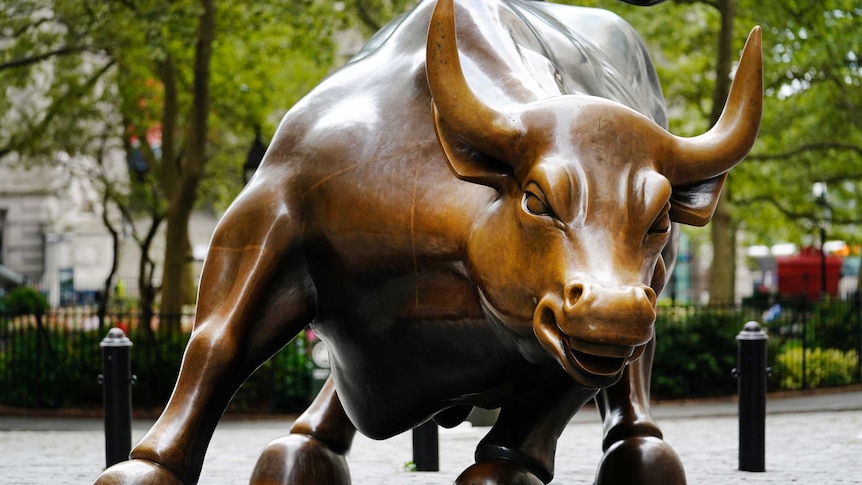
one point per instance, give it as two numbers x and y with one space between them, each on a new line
571 251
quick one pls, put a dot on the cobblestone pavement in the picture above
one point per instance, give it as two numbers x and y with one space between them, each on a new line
808 441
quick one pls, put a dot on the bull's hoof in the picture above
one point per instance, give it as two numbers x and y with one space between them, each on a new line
643 460
137 472
299 459
497 472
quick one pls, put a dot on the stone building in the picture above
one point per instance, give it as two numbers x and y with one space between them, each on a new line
52 236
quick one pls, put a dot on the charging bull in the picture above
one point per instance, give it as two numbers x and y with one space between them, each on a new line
472 216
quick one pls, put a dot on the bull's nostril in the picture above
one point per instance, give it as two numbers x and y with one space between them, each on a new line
547 319
573 294
650 294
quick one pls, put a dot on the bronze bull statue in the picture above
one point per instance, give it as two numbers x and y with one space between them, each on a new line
482 222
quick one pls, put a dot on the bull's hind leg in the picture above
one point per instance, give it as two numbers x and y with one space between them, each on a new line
633 445
255 295
520 448
314 451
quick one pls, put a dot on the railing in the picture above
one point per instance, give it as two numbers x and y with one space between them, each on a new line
817 343
51 360
695 345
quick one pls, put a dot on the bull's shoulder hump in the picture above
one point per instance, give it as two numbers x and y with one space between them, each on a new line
609 32
620 46
393 57
404 33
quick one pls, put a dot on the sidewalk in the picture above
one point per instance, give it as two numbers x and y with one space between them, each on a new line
809 440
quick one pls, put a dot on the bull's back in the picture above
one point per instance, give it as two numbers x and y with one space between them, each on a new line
377 106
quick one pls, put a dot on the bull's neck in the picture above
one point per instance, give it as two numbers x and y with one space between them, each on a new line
416 216
443 219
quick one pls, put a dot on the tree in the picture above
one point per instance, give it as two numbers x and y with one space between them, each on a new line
812 131
811 125
187 80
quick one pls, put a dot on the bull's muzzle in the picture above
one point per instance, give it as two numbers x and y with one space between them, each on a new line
594 331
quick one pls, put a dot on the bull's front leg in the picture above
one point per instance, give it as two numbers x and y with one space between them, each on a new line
255 295
314 452
633 445
521 446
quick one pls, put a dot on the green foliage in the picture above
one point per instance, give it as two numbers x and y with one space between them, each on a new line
834 324
156 358
23 300
43 367
371 15
282 384
82 65
812 122
80 78
695 352
697 348
812 127
44 363
829 367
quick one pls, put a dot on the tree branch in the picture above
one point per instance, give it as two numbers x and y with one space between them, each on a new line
811 147
365 16
19 32
795 215
128 4
27 61
55 107
771 200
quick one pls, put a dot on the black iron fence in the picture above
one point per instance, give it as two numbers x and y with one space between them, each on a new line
815 343
811 344
52 359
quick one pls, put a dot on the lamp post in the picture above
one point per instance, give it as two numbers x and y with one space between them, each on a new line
819 190
254 157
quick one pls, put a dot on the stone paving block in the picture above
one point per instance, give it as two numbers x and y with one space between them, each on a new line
807 448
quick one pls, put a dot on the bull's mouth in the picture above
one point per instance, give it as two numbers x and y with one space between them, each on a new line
596 364
593 365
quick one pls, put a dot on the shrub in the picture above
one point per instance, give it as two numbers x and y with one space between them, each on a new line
830 367
48 363
695 352
23 300
44 367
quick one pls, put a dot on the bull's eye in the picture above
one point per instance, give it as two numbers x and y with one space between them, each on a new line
535 205
662 223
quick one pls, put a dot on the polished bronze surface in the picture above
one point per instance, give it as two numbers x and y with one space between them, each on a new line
480 216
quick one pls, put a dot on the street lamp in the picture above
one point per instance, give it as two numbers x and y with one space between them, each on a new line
255 155
819 190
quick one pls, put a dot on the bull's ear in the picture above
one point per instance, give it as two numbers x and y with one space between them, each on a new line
466 162
694 204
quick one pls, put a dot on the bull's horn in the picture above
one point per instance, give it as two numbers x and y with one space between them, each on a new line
486 129
725 144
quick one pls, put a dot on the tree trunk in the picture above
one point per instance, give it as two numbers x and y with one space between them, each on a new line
176 276
176 280
146 268
722 274
105 297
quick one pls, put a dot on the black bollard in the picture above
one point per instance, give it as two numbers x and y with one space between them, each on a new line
426 449
751 375
116 379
